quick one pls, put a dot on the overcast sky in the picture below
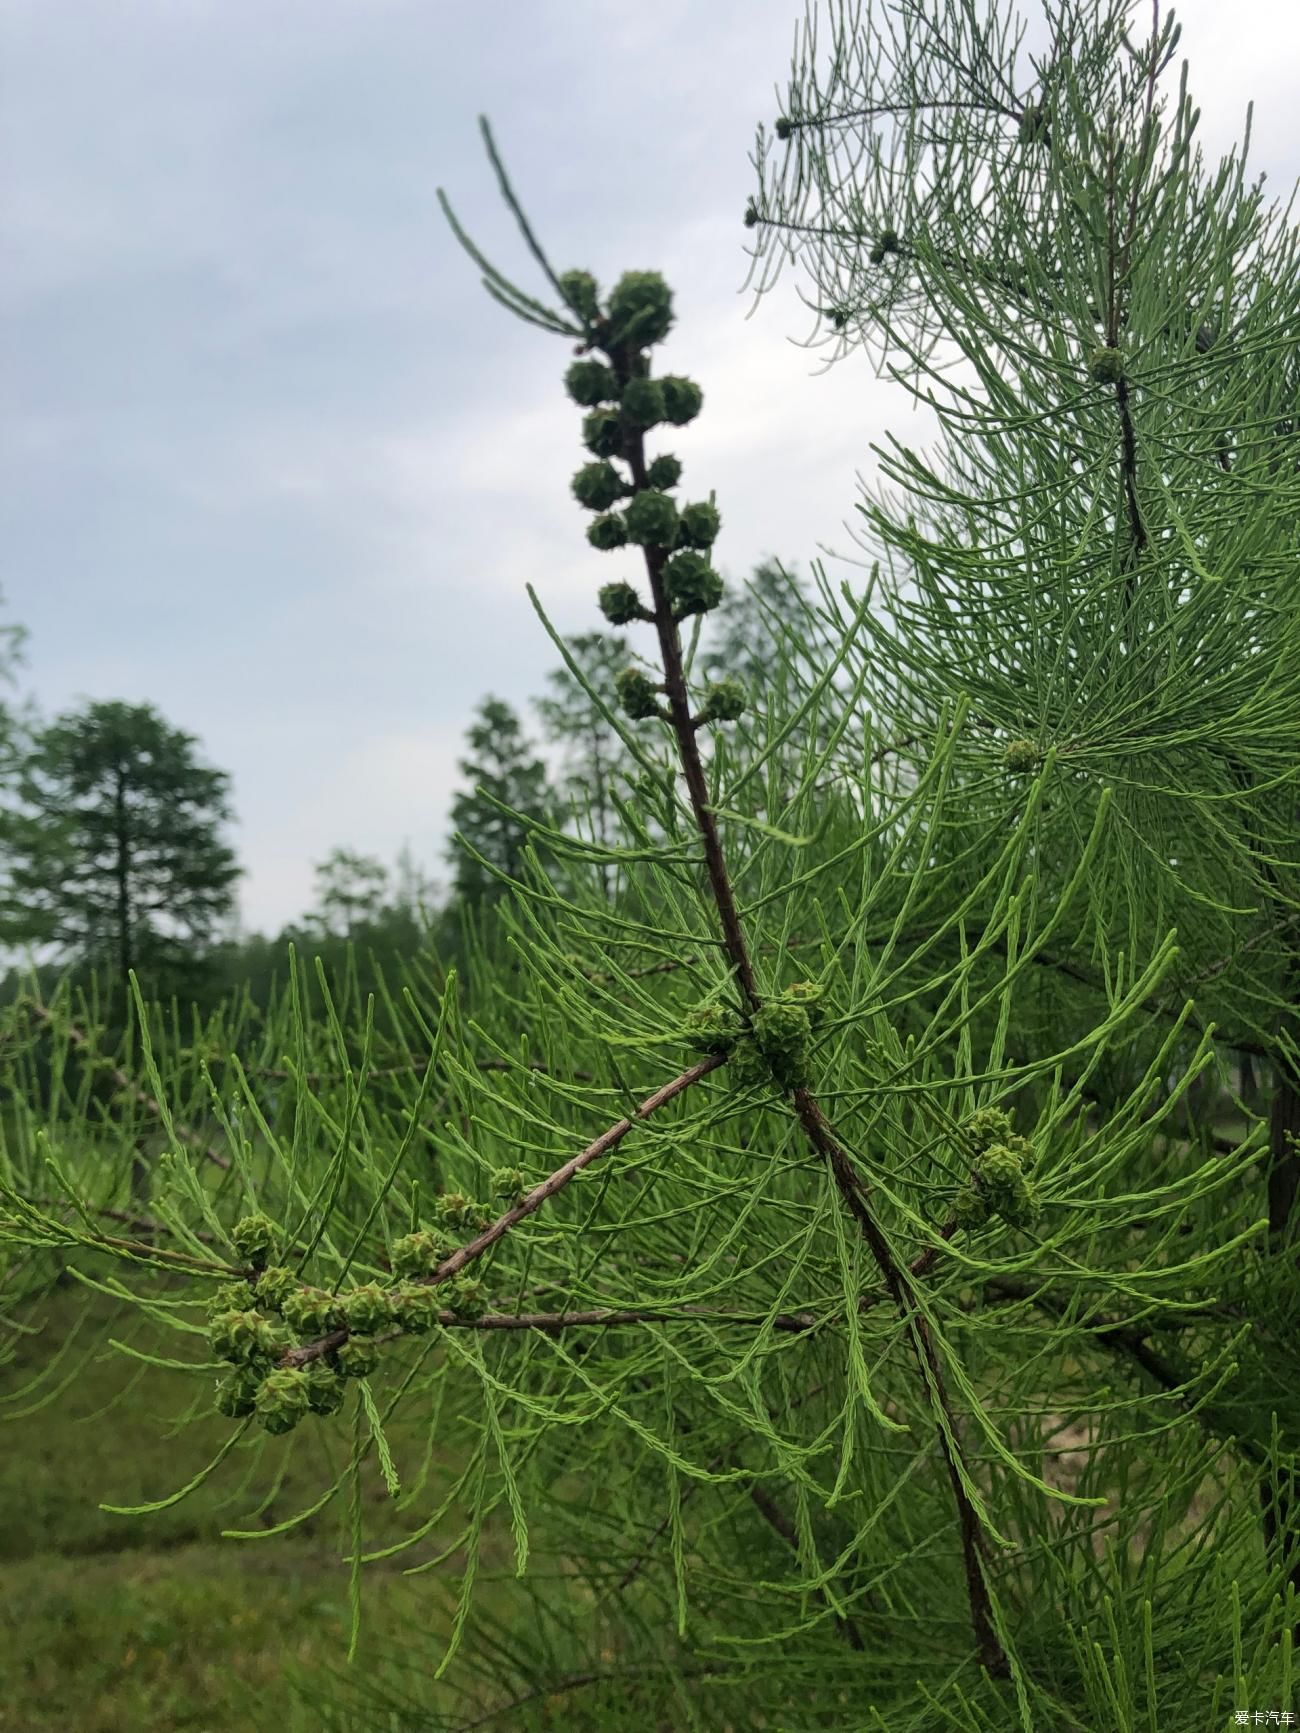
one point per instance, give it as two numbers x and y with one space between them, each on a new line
273 462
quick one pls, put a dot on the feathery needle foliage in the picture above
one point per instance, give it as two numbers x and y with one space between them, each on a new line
844 1275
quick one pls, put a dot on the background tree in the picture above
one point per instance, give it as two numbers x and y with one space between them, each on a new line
509 789
112 852
745 636
774 633
416 894
351 890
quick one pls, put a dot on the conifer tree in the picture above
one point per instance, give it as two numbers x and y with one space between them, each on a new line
800 1263
11 647
112 851
415 893
1129 322
745 635
508 789
351 890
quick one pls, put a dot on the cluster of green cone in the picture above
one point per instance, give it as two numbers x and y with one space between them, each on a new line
624 402
999 1182
776 1042
258 1322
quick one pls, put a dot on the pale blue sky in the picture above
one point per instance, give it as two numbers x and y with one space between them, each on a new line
271 458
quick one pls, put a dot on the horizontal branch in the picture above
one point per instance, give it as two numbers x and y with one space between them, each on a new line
142 1224
1133 1343
540 1194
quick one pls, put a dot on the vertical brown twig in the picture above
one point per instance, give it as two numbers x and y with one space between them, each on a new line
813 1122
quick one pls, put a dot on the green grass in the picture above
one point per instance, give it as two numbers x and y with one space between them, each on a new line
195 1637
113 1624
149 1623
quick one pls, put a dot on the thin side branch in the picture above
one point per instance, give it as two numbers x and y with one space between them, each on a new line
540 1194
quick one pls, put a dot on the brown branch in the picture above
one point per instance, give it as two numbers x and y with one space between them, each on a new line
147 1252
851 1189
539 1195
767 1508
1117 266
719 1461
810 1116
1128 435
842 116
142 1224
679 707
551 1323
1127 1339
557 1181
779 1522
793 1323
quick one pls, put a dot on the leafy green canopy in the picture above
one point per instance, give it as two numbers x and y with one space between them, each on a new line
820 1316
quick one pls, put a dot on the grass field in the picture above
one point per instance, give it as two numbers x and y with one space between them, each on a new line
146 1624
112 1624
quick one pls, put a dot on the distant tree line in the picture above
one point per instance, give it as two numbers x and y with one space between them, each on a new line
114 855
